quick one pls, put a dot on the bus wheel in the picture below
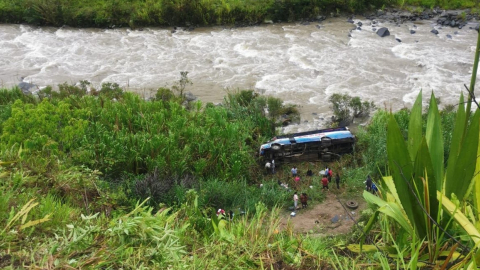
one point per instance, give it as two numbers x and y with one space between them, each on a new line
276 147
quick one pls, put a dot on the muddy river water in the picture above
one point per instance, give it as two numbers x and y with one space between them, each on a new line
302 64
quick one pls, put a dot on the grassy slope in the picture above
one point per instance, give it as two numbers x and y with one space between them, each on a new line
138 13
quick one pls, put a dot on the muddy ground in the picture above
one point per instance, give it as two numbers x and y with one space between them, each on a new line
326 218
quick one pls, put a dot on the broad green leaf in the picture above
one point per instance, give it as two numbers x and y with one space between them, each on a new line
415 127
476 179
462 176
435 141
423 169
457 138
368 227
390 209
462 220
402 170
391 187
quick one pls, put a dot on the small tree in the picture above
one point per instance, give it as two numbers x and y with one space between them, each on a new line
346 108
341 106
182 84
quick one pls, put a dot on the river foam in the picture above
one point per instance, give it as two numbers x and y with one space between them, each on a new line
302 64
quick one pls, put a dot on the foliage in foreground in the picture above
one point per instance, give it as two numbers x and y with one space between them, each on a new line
185 238
420 185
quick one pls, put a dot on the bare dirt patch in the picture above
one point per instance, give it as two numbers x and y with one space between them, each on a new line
326 218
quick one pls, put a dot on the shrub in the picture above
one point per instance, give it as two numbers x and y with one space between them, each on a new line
346 107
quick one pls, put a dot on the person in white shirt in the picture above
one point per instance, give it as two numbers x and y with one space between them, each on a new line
295 201
268 165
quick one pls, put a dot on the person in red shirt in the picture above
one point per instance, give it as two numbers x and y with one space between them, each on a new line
325 182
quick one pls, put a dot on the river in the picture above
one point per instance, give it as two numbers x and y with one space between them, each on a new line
302 64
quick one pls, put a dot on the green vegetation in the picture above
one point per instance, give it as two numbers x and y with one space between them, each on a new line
445 4
104 179
139 13
346 108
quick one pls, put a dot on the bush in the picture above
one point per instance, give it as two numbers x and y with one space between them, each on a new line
346 108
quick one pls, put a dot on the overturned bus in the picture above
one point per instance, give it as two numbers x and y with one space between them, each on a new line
325 143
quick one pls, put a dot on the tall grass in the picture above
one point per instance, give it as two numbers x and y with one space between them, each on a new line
138 13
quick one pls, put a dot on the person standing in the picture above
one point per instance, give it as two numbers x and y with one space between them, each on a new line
337 180
368 183
268 166
295 201
329 176
273 166
304 200
325 182
294 171
297 181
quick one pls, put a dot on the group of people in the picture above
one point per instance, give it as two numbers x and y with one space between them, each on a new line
327 178
303 200
370 186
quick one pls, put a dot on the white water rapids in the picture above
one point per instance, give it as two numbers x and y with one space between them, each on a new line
302 64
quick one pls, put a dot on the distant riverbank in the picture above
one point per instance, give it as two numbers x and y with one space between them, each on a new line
195 13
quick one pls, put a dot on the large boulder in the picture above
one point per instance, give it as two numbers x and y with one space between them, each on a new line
383 32
27 88
435 31
190 97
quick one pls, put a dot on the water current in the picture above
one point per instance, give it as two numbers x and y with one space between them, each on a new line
302 64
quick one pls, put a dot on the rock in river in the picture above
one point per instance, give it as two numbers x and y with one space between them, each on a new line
383 32
27 88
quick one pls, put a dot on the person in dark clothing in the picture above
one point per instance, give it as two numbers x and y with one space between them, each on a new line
304 200
337 180
309 172
368 183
